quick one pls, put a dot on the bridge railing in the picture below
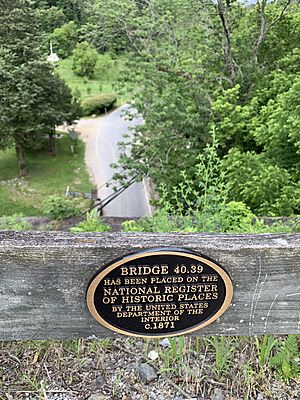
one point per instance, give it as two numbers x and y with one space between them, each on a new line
44 278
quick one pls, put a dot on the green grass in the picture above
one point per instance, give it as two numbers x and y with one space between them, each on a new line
92 87
47 175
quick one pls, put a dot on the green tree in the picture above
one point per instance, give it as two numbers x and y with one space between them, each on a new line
172 71
196 65
73 10
104 67
265 187
32 98
59 106
278 126
85 59
64 39
107 22
51 19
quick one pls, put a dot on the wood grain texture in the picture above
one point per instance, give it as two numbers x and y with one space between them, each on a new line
44 278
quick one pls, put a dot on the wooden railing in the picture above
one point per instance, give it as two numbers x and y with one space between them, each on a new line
44 277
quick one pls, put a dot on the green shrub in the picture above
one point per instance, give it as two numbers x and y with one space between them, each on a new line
236 216
132 226
285 361
85 58
159 222
91 224
14 222
99 105
60 208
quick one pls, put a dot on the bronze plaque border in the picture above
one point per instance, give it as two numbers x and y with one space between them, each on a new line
94 283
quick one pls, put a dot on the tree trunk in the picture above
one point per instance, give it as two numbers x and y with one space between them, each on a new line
230 65
21 159
53 144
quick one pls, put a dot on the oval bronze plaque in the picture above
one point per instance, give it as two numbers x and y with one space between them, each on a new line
159 293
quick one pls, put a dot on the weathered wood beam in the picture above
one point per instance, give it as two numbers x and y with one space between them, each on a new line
44 277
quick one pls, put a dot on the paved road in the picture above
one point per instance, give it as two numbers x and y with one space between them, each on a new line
102 136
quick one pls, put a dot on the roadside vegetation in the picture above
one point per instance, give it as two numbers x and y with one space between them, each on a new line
184 209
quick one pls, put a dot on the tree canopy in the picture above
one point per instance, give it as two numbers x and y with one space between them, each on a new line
32 97
198 67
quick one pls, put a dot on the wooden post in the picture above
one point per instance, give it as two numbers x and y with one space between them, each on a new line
44 277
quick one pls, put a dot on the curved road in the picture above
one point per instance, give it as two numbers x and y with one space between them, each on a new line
102 136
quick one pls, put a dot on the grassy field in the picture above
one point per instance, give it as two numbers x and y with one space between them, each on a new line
47 175
92 87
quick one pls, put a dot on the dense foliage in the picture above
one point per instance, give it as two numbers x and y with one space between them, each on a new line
72 10
64 39
59 208
200 67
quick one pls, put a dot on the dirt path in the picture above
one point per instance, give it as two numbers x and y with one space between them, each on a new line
88 128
